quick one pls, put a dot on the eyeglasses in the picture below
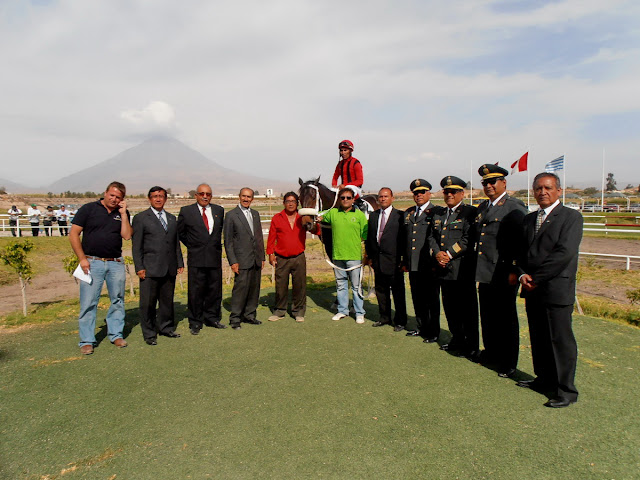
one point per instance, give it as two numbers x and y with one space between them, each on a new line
450 191
490 181
204 194
346 198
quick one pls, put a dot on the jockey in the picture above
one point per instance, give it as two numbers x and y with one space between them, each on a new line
349 168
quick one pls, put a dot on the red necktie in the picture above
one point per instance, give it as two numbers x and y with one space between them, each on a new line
206 220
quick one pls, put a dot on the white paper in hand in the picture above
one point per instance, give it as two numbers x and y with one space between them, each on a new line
80 275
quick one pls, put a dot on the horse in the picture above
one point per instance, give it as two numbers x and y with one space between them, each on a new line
316 197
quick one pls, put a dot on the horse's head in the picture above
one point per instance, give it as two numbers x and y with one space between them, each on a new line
310 202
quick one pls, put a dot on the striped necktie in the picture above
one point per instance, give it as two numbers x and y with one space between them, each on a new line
164 224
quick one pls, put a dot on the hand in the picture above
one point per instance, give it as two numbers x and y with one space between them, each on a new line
235 268
273 260
84 265
141 274
513 279
122 207
404 269
527 282
262 267
442 258
341 186
180 270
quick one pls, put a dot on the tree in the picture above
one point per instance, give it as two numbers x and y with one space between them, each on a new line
70 263
590 191
192 194
611 183
628 187
15 256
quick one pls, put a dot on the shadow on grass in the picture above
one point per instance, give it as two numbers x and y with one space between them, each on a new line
131 320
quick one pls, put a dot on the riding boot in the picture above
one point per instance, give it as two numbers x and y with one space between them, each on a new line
361 205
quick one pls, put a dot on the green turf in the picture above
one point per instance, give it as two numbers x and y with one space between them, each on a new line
319 399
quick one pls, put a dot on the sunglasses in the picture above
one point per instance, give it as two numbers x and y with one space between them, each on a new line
451 191
204 194
491 181
346 198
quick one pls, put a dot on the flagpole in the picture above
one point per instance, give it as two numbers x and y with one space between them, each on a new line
564 177
602 192
528 179
471 182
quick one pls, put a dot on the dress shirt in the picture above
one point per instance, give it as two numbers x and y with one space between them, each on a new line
493 204
548 210
421 209
386 212
162 213
209 216
248 216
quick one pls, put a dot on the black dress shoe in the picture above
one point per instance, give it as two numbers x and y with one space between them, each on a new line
507 373
398 328
218 325
430 340
151 341
413 333
380 324
171 335
559 402
194 331
236 327
254 321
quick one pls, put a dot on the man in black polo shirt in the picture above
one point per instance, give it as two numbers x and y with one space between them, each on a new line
103 225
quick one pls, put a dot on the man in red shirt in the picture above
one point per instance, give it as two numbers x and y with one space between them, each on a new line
349 168
285 247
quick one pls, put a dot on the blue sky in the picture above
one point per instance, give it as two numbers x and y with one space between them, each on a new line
423 88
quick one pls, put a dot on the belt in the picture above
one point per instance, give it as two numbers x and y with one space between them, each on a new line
104 259
292 256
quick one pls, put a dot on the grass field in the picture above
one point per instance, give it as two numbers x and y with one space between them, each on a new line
320 399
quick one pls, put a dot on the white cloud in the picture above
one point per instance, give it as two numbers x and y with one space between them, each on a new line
157 117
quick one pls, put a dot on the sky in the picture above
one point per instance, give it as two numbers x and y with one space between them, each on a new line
423 88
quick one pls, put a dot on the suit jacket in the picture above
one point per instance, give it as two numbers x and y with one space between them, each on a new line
243 247
203 249
155 250
496 234
418 256
386 256
456 238
551 255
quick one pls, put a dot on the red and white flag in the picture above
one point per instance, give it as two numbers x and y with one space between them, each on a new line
520 165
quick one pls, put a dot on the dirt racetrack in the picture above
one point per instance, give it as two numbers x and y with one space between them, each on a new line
59 285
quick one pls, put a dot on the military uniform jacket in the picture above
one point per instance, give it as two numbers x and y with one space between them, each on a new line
454 236
417 230
498 231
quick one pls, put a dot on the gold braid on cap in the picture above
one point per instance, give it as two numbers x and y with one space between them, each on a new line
492 175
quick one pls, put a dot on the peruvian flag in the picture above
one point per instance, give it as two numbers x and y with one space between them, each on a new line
520 165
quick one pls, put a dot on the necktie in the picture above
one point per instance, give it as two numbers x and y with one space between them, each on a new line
540 219
383 223
164 224
247 213
206 220
449 213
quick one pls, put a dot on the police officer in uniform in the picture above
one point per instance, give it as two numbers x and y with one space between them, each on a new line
451 243
419 263
498 233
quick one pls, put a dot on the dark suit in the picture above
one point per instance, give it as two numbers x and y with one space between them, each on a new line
245 248
204 261
498 229
386 259
425 289
550 257
454 235
158 253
